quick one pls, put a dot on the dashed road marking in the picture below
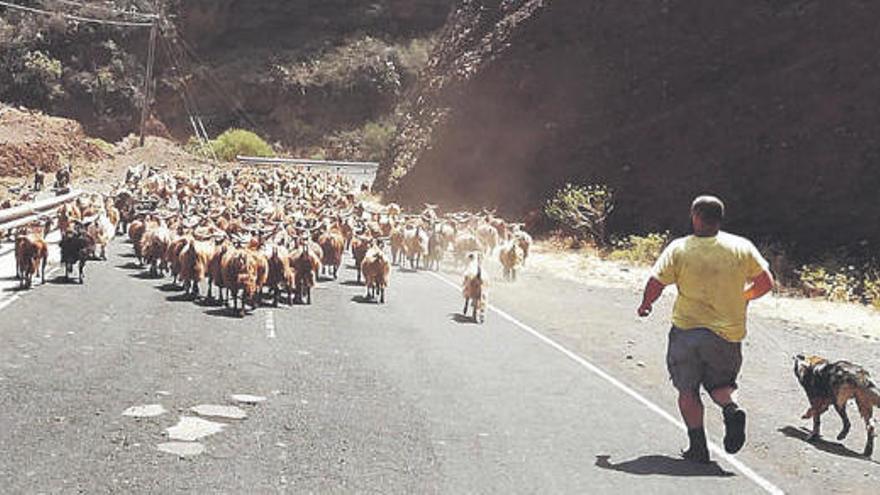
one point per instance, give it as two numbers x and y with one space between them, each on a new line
746 471
270 324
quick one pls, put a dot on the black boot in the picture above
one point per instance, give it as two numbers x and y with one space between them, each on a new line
734 428
698 451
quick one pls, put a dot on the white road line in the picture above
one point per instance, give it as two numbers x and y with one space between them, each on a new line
9 300
738 465
4 303
270 324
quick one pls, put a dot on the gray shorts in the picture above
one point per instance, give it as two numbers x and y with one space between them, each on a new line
701 357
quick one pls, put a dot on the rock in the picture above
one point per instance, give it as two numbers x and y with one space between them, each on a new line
640 364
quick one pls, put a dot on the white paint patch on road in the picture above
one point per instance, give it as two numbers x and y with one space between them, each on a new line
270 324
247 399
215 411
182 449
759 480
190 429
148 411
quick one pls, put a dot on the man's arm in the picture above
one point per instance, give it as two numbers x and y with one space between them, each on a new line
653 290
760 285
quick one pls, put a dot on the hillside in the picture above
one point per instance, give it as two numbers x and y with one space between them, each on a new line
768 104
299 72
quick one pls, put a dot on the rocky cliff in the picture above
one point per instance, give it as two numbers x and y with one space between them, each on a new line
770 104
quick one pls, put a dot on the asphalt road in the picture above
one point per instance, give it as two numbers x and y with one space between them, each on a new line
401 398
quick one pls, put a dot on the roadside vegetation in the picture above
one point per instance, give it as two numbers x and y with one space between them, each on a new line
581 212
230 144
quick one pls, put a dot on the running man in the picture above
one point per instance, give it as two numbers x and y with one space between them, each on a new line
716 274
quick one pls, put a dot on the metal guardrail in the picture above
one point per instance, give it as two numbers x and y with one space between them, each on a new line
18 216
255 160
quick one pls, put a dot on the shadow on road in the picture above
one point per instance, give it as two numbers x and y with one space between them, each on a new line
62 280
181 298
364 300
835 448
352 283
169 287
146 275
225 313
207 302
460 318
131 265
662 465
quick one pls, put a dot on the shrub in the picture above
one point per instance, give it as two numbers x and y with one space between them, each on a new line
235 142
871 285
584 210
39 78
102 145
819 281
640 249
370 142
377 140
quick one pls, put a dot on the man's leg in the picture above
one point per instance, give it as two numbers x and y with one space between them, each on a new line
686 371
691 408
721 377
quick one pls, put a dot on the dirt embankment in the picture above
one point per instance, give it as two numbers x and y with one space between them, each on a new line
30 139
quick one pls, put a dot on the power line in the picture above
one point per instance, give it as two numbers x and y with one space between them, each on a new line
75 17
189 102
218 86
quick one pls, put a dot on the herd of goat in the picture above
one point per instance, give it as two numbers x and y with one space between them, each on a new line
248 231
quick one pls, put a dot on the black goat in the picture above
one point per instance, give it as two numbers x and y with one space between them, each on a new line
75 249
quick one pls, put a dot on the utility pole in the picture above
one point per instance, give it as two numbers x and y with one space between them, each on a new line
148 83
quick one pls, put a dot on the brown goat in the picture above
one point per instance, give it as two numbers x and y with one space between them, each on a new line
31 253
332 244
511 257
240 275
306 264
280 274
473 288
215 268
193 263
377 270
359 247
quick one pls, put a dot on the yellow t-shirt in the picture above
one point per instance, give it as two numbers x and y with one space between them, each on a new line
711 274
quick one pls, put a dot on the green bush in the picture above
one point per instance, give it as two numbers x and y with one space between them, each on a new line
235 142
639 249
377 139
584 210
370 142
